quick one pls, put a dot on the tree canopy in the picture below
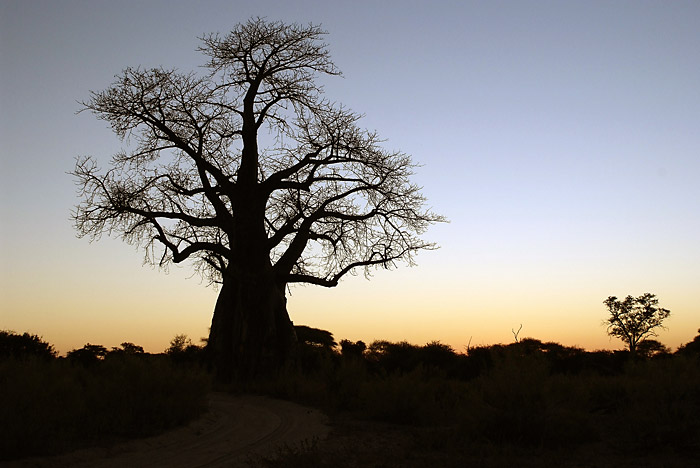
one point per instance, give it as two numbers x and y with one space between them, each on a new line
248 171
634 319
333 199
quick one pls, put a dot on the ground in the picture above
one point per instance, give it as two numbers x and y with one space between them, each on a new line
235 432
262 432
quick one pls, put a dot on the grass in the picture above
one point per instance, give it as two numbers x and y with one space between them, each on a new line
391 404
49 406
519 408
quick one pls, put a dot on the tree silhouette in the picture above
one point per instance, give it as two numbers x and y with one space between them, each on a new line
692 347
127 348
88 355
315 337
21 346
320 201
634 318
354 349
649 348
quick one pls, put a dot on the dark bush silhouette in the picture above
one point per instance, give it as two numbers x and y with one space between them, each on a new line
88 355
393 357
649 348
315 337
316 347
691 348
182 350
24 345
352 349
127 348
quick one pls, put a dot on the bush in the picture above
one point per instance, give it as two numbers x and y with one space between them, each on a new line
88 355
23 346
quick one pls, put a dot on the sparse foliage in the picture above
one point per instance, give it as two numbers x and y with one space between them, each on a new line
321 200
635 318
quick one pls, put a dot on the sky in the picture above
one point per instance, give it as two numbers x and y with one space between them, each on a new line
560 139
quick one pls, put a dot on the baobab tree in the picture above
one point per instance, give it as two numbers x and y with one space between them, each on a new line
250 174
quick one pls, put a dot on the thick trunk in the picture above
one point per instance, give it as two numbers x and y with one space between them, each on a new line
251 333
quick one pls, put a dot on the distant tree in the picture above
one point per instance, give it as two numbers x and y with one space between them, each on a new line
87 355
527 346
182 349
179 344
19 346
352 348
314 337
634 319
437 355
127 348
649 348
401 356
692 347
320 201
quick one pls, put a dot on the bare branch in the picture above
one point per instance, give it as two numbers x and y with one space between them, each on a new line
323 200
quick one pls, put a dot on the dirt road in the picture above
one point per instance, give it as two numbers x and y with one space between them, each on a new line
233 431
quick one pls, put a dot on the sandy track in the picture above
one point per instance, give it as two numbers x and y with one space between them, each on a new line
234 429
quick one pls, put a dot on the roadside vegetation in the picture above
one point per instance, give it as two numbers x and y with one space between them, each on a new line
391 403
532 403
50 404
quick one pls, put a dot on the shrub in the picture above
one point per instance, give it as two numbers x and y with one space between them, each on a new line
25 345
692 348
352 349
88 355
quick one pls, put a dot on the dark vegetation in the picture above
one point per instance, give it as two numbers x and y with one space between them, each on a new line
50 404
491 405
392 404
635 319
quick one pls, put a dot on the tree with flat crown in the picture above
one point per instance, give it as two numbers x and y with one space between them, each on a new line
634 319
321 200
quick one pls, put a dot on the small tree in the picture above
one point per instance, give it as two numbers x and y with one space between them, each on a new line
315 337
352 348
127 348
88 355
650 348
691 348
634 318
179 344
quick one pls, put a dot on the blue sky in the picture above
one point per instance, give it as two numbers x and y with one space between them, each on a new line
560 139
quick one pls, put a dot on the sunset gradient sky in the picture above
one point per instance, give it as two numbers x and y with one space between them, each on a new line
561 139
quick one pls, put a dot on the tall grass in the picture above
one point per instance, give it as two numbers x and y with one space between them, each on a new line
514 396
47 406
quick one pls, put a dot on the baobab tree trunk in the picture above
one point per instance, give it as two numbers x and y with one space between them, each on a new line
251 333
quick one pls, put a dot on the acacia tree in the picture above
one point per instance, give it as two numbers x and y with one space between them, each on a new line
635 318
321 200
